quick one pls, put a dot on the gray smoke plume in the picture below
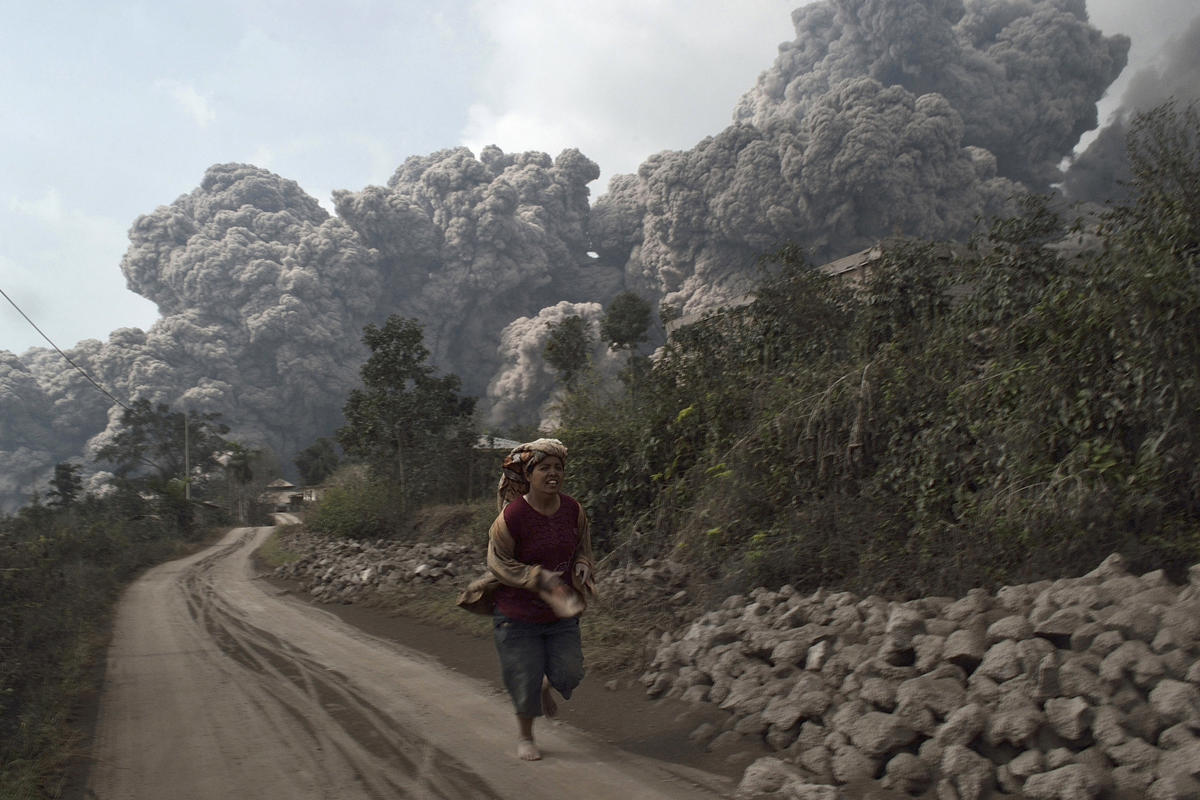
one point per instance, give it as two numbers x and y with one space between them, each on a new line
1024 75
50 411
882 117
1101 173
526 387
263 298
28 441
866 162
468 244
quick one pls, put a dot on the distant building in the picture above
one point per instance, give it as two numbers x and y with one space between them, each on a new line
495 443
281 495
852 268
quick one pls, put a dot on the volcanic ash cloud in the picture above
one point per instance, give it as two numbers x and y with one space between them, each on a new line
880 117
263 298
1024 75
912 117
467 245
1101 172
526 387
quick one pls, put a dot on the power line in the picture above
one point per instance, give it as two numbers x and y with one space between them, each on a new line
81 370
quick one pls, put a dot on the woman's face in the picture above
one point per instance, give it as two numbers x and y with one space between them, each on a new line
546 477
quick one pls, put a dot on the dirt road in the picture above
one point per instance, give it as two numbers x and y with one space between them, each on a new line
218 687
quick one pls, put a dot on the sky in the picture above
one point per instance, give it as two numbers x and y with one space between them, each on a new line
110 109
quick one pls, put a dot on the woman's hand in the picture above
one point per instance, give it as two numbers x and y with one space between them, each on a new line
556 593
582 573
548 580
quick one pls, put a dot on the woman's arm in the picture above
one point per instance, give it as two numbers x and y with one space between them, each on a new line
584 567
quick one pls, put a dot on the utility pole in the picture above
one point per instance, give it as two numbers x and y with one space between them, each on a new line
187 468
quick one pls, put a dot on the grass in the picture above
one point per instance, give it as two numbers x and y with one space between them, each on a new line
615 636
273 553
58 718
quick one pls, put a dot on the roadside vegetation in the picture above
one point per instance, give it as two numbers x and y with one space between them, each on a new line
961 415
62 570
65 557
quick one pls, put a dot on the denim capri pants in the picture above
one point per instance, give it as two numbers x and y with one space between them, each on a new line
529 650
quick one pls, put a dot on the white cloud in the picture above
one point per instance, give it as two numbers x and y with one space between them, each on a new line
375 158
618 80
69 227
189 100
58 266
509 129
47 208
278 154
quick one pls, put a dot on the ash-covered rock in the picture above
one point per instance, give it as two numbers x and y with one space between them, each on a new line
352 571
1083 687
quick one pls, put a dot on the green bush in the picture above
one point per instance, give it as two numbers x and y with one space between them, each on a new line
365 509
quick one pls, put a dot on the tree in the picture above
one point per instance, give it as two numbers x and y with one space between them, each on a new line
66 484
624 327
156 446
567 349
246 471
317 461
406 419
169 454
625 322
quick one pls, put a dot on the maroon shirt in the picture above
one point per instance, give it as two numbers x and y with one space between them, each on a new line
550 541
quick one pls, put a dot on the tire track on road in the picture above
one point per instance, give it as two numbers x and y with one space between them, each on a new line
384 755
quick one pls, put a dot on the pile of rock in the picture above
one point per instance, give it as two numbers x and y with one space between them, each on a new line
660 581
351 571
1078 688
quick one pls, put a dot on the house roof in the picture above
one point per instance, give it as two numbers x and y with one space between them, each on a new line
494 443
280 483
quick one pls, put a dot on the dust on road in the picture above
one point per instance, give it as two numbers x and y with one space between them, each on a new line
218 687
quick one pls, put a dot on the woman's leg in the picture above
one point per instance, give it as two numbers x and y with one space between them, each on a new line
549 706
521 648
564 656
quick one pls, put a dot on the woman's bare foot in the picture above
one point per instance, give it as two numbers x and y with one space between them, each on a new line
527 750
549 706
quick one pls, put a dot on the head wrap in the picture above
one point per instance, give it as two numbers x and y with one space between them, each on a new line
514 480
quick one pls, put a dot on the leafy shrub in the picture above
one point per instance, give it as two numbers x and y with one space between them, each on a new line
357 507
